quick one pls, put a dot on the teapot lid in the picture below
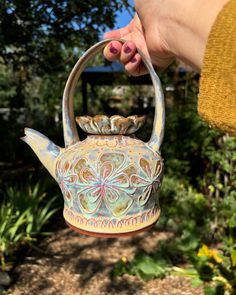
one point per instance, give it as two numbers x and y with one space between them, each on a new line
102 124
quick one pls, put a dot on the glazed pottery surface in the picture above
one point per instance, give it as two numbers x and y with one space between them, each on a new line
110 180
110 183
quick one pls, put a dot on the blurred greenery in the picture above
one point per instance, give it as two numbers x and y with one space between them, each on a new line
198 198
23 213
40 42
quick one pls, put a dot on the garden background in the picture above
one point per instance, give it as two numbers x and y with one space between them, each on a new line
40 41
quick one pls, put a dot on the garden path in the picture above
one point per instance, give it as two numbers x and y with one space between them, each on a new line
71 264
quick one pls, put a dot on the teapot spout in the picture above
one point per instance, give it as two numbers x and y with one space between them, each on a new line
44 148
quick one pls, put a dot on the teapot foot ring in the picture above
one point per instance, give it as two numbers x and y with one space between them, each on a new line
108 235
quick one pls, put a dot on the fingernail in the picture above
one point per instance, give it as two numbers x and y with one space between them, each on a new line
133 60
127 49
113 49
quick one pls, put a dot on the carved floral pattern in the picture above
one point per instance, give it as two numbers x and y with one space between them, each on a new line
149 182
66 180
107 182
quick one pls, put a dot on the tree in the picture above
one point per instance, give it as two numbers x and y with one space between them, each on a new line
40 40
37 32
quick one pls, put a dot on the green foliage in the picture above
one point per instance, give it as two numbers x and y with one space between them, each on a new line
40 41
36 32
11 233
197 198
147 268
143 265
23 213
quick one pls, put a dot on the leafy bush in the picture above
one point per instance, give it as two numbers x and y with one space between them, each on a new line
23 213
198 199
143 265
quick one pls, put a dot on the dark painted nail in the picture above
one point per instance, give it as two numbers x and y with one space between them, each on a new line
127 49
133 60
113 49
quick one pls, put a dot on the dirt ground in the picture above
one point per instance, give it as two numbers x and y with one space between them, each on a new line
71 264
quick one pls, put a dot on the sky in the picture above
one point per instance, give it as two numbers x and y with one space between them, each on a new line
124 17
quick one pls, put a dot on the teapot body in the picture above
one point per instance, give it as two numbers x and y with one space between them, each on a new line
110 185
110 180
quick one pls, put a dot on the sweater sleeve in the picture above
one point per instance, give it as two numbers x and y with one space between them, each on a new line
217 93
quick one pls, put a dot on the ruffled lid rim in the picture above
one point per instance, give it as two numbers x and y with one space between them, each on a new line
103 124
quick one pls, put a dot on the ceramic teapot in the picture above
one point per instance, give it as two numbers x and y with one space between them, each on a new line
110 180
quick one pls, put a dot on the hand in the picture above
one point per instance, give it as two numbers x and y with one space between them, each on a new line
164 30
127 52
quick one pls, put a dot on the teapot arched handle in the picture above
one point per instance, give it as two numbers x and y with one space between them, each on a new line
69 125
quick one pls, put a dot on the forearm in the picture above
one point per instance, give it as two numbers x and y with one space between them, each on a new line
184 26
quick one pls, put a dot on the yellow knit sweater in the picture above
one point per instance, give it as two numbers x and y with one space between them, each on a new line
217 95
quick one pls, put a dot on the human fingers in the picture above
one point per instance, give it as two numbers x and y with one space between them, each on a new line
127 52
109 50
132 60
135 66
120 33
112 50
130 57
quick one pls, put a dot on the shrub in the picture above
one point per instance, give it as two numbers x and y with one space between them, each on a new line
23 213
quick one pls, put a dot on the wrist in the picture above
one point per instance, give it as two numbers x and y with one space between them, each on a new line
190 23
182 27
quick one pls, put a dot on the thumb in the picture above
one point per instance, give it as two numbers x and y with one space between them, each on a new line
117 33
112 34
